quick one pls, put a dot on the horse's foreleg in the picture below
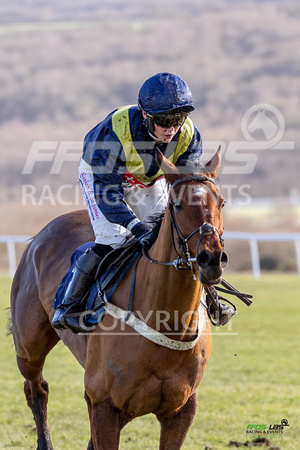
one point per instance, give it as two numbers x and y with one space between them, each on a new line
36 392
89 406
106 425
175 429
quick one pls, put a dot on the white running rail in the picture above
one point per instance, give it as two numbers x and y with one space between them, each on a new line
252 238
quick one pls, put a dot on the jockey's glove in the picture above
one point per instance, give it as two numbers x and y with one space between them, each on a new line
143 234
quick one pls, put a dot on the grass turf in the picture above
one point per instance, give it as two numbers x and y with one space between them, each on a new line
252 378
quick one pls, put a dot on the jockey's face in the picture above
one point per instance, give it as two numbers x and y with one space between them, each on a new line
164 134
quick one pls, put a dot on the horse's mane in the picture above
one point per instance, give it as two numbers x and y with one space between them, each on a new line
155 222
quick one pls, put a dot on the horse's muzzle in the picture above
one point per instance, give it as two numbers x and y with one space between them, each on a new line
211 266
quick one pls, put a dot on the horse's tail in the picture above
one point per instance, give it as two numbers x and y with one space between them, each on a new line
15 287
9 322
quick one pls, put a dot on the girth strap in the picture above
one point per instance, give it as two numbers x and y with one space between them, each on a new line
152 335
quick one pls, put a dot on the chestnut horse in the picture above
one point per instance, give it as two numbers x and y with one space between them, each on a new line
126 374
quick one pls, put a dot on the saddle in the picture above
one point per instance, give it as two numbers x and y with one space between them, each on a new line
115 264
110 273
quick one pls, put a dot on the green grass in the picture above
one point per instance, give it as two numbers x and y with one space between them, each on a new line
252 378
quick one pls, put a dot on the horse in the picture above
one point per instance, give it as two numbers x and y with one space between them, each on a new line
128 375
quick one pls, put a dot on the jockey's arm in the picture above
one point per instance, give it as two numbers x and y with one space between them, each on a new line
109 196
102 150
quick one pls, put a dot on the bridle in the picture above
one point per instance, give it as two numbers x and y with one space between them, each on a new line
185 261
181 262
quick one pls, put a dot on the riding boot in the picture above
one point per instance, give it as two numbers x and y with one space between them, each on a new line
83 279
218 313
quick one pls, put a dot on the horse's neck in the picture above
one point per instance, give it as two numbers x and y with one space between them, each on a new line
169 289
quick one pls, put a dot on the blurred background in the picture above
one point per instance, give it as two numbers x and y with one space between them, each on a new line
66 65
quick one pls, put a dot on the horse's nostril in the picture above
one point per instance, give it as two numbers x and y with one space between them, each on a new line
224 259
203 258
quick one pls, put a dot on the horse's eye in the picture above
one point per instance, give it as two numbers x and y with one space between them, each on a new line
178 206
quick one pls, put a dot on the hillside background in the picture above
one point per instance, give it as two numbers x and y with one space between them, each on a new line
65 65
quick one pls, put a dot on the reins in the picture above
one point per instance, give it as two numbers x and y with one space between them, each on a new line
186 261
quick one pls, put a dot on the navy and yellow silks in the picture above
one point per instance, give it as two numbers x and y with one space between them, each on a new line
134 162
120 150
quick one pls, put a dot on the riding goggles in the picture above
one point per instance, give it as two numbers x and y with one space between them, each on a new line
168 120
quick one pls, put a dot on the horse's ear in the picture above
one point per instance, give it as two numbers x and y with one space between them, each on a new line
212 167
166 166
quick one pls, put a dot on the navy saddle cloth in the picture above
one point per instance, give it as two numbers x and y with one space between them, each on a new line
110 273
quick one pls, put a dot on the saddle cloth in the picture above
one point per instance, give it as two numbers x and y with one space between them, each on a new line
110 273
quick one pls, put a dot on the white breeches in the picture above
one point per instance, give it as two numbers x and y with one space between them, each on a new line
144 202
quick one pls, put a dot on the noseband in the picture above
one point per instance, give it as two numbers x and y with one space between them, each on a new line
207 229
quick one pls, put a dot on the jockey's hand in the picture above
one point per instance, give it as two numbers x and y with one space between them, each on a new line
143 234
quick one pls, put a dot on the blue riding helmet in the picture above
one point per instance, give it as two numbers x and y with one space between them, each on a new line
165 93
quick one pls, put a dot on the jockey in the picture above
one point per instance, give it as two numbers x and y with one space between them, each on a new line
120 179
